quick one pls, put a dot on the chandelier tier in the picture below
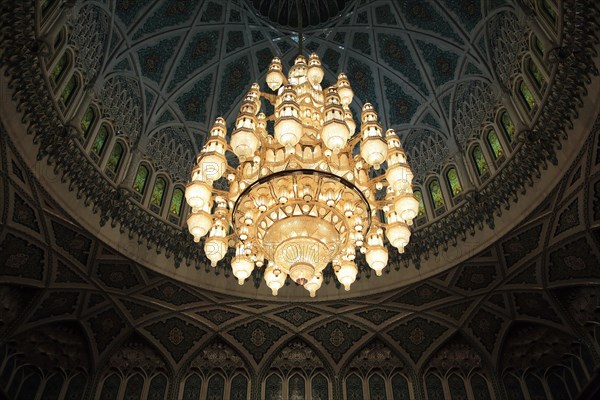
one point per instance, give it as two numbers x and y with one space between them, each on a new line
309 193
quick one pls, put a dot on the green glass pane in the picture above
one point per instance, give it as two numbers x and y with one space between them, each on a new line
495 145
454 182
527 95
436 194
539 46
176 202
479 160
549 11
158 192
508 126
538 78
141 177
69 91
115 158
59 68
87 121
419 197
46 5
100 141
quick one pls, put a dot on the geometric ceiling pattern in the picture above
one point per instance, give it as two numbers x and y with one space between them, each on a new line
418 62
540 282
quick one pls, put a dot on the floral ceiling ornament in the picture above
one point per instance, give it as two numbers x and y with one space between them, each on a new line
307 193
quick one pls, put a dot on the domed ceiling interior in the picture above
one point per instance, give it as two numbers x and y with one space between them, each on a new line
88 313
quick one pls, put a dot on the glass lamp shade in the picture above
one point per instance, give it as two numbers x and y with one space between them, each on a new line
399 177
349 122
406 206
242 268
288 131
215 248
211 167
374 150
377 258
344 90
347 273
314 284
244 143
275 76
199 223
398 234
301 273
315 72
198 194
335 134
275 278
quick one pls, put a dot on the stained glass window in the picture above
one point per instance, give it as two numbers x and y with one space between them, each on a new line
508 126
30 385
47 5
400 389
436 193
60 67
539 46
419 197
296 388
77 387
273 388
69 91
535 387
434 387
87 121
192 388
354 390
479 159
158 388
134 387
320 388
480 387
158 192
176 202
377 388
115 157
538 78
239 388
526 95
110 388
513 388
454 182
100 141
53 387
216 388
141 178
494 142
457 387
549 11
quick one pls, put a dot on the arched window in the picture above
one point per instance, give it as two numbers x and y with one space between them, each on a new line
176 202
100 141
507 126
513 386
239 388
87 121
319 387
53 387
354 389
535 387
158 387
69 91
77 387
29 384
110 387
419 197
454 182
216 388
273 387
377 387
457 387
538 46
192 388
536 74
479 160
549 12
494 143
526 95
400 389
435 191
158 192
46 6
60 68
141 178
296 387
114 161
480 387
134 387
434 387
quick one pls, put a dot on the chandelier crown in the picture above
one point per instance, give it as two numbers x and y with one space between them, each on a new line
308 194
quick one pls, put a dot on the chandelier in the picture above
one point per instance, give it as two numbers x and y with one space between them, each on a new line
305 193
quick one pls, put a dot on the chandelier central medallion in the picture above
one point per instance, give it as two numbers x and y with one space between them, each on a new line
307 192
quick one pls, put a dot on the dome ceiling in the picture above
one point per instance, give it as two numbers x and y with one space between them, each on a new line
418 62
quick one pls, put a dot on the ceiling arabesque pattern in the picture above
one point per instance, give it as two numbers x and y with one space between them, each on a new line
523 310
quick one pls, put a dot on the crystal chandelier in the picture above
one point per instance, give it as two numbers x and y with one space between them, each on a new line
309 193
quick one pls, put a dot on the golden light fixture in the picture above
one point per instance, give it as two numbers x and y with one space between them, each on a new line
302 197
